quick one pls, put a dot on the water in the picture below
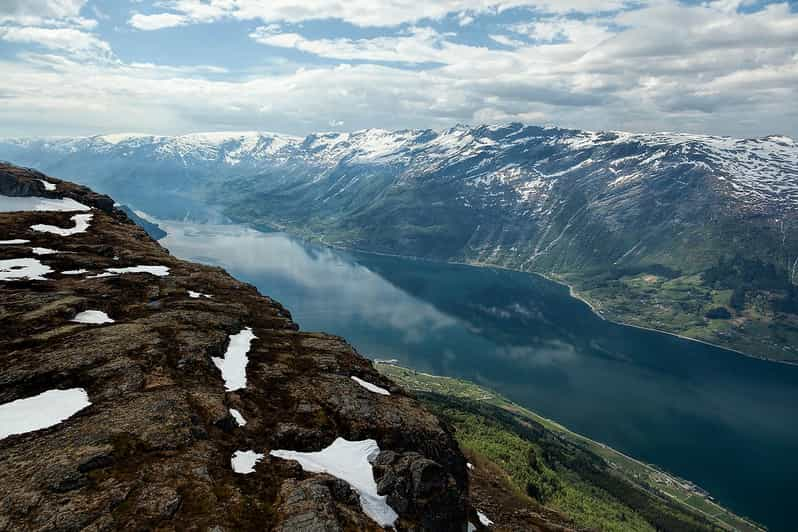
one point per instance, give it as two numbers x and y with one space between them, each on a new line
726 422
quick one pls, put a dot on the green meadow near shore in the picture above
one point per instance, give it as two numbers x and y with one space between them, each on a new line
591 483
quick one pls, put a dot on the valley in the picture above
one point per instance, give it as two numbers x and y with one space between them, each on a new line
693 235
714 417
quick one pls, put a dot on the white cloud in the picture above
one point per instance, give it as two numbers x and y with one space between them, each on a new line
36 11
700 67
358 12
70 40
417 46
504 40
158 21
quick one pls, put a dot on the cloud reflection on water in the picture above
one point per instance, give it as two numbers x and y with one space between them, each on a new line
340 287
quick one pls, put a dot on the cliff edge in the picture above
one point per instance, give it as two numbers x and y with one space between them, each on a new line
140 391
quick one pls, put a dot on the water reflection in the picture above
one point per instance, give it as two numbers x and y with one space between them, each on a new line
332 288
722 420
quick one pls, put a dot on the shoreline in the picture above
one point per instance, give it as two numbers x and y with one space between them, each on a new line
511 406
573 292
576 295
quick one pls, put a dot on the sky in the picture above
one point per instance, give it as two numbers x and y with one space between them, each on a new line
82 67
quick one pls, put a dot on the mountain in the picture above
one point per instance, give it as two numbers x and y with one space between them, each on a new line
144 392
689 234
139 391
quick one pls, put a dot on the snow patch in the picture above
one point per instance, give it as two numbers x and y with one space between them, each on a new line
16 269
13 242
234 364
74 272
349 461
371 387
43 251
47 185
238 417
81 222
158 271
194 295
243 462
41 411
36 203
484 519
94 317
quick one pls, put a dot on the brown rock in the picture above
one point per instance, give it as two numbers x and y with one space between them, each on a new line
153 450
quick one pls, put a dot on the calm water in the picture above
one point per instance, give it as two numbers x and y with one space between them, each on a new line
727 422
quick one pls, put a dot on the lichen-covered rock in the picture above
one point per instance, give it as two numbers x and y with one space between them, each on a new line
154 448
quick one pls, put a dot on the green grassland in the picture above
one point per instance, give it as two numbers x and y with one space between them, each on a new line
591 483
683 305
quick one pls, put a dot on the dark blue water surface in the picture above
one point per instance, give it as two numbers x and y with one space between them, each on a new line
727 422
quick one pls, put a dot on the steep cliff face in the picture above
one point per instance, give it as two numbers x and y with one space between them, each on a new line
140 391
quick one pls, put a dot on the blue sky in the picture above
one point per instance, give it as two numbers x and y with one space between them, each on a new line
74 67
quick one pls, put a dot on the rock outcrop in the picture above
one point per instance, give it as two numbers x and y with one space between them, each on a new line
153 449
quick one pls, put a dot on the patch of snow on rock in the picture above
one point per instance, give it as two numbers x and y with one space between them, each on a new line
81 222
371 387
238 417
13 242
41 411
484 519
194 295
95 317
17 269
43 251
36 203
349 461
234 364
47 185
74 272
243 462
158 271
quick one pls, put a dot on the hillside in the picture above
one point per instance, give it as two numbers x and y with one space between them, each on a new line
689 234
595 485
139 391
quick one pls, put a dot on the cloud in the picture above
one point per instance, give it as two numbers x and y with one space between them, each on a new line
158 21
504 40
385 13
705 67
70 40
418 45
35 11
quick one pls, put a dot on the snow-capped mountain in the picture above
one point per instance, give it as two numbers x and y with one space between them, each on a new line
619 215
760 173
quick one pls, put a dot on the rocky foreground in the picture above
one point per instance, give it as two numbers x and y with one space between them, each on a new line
151 344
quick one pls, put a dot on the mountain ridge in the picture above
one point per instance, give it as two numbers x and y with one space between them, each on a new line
149 343
661 230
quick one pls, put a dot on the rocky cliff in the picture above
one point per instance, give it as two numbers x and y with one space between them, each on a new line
183 391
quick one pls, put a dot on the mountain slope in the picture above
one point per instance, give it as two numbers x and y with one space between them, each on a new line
595 485
691 234
136 387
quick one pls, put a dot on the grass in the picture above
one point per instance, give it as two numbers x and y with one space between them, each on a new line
593 484
679 306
